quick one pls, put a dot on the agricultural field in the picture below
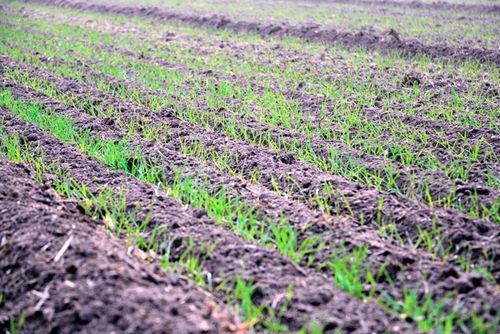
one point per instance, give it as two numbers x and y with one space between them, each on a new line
249 166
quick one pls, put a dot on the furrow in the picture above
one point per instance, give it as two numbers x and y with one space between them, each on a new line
314 296
94 278
340 197
407 269
391 41
431 187
486 142
439 5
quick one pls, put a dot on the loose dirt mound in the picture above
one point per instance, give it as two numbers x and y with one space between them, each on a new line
314 296
65 275
389 41
271 205
438 5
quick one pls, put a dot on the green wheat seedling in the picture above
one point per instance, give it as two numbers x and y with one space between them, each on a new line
11 323
403 153
485 270
118 217
389 181
351 273
226 88
226 59
429 314
353 171
228 62
243 296
386 227
433 241
476 324
189 261
393 59
223 208
106 205
283 235
228 211
405 156
244 220
113 209
285 239
221 158
278 188
18 325
243 293
11 147
116 154
135 94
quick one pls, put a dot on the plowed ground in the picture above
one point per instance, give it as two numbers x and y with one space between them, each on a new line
168 171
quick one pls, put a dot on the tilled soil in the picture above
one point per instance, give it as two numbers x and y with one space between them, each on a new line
367 39
406 268
466 236
438 85
349 16
64 274
439 184
439 5
314 297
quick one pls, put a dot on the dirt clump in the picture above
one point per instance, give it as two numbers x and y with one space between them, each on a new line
62 273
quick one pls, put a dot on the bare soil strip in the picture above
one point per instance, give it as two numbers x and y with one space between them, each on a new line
314 296
465 234
413 265
439 5
63 273
391 40
407 269
439 184
311 104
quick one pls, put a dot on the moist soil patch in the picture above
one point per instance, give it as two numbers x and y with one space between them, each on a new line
63 274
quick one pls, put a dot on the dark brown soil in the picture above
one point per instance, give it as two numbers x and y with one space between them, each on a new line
407 269
390 41
97 283
469 193
466 236
438 5
437 85
439 184
64 274
314 296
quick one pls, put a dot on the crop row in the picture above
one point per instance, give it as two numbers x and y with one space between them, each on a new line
329 158
142 127
182 141
283 66
47 225
254 209
84 105
476 28
190 255
350 276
